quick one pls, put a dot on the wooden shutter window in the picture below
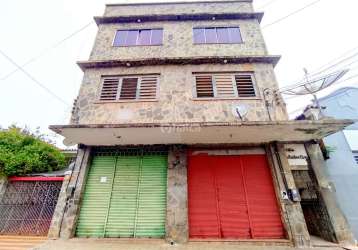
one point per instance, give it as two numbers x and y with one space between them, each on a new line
109 89
148 87
204 86
129 89
245 86
224 85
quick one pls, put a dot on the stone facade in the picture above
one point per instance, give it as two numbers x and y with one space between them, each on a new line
177 198
177 8
176 102
178 41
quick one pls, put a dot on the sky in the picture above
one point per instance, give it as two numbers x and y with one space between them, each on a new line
53 35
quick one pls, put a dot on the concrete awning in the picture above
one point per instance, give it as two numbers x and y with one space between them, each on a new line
198 133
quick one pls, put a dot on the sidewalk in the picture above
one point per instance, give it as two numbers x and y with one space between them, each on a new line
118 244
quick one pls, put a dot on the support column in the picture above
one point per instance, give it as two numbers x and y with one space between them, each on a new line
295 217
3 184
74 193
177 196
326 189
55 227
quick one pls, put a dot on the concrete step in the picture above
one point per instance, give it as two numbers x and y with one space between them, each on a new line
11 242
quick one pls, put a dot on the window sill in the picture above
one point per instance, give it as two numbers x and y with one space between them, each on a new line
217 43
224 99
126 101
129 46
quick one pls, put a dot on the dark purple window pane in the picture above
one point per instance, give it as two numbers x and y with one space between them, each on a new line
144 37
157 37
210 34
235 35
199 36
132 37
223 35
120 39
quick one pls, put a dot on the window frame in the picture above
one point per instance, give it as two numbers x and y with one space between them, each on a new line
137 45
139 83
232 74
216 34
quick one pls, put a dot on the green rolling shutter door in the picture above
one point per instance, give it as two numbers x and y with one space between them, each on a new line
132 203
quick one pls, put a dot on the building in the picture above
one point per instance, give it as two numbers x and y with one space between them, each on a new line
342 165
183 135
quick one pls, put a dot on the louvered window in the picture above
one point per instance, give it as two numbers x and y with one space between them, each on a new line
225 85
129 88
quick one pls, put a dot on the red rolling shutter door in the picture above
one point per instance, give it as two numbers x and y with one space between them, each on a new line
261 199
232 197
203 216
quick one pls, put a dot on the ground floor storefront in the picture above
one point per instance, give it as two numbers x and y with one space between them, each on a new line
182 194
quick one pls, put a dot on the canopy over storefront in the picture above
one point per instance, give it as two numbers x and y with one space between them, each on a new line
198 133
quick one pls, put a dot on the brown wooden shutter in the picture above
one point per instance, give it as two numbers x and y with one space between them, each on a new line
109 89
224 85
148 87
204 86
129 89
245 86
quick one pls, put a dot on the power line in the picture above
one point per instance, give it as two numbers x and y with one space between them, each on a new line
267 4
291 14
337 58
33 79
45 51
336 64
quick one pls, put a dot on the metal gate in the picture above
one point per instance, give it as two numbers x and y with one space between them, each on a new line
232 197
125 196
28 205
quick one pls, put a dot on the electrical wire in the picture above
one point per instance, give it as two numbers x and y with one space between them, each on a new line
266 5
33 78
45 51
291 14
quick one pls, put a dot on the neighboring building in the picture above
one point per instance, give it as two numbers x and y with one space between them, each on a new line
342 165
183 135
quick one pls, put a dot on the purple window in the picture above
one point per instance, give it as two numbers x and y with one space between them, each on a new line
144 37
217 35
157 37
138 37
210 35
199 35
235 35
223 35
120 39
132 37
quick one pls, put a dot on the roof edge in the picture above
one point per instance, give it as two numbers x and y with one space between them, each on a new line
177 2
178 17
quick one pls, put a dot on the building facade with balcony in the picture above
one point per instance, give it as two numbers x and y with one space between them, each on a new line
183 134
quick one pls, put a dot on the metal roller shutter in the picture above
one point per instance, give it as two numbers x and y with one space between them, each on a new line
232 197
151 213
133 201
96 198
264 213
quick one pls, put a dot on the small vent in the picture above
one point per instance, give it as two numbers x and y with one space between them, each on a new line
204 86
245 86
148 87
129 89
224 85
109 89
355 155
